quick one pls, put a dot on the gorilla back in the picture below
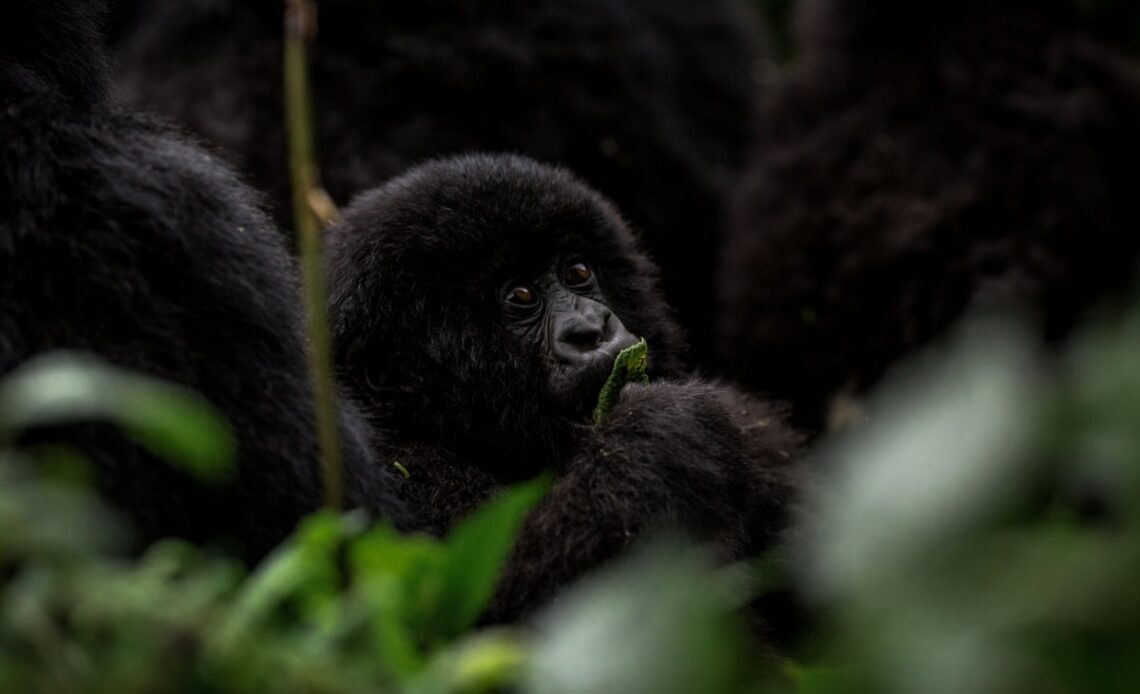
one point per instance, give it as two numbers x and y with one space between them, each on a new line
925 158
122 239
650 101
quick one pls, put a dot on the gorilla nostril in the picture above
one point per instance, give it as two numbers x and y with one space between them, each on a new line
582 336
588 331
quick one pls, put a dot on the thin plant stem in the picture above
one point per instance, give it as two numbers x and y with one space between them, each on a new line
300 26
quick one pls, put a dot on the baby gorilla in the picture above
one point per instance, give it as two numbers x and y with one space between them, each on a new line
478 304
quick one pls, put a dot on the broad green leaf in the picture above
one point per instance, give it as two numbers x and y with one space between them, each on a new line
945 448
818 679
476 551
650 624
399 578
485 663
170 421
631 366
42 517
304 571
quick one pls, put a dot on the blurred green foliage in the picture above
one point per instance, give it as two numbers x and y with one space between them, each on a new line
341 607
172 422
982 533
979 532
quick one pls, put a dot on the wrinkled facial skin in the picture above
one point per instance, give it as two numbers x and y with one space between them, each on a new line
561 315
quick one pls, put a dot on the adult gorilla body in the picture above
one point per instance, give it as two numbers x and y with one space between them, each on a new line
650 101
122 239
477 306
922 159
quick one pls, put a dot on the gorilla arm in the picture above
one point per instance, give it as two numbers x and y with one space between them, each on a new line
694 457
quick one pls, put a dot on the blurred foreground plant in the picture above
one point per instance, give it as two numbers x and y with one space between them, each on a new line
983 533
341 607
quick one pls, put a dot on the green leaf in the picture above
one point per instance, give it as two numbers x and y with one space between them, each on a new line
170 421
398 578
39 516
304 573
483 663
475 553
426 593
944 451
631 366
819 679
649 624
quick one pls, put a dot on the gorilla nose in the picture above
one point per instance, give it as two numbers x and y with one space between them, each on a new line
588 329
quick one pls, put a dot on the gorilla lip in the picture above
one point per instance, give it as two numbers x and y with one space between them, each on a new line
591 380
579 402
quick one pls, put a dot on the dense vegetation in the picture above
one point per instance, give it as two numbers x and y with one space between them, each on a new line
979 531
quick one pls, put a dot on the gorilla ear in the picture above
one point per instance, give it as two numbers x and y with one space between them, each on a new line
362 368
372 377
352 354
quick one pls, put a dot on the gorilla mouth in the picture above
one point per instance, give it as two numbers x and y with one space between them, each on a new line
575 388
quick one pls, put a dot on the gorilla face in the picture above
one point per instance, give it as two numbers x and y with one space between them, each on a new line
562 313
480 301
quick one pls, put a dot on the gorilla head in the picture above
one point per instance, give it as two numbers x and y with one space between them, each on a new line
479 302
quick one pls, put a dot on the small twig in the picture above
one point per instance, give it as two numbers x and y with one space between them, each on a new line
300 28
322 205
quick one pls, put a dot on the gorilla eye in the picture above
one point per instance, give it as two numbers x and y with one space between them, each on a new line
577 274
522 295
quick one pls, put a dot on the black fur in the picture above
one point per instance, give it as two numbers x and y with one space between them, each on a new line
120 238
651 101
922 159
416 273
52 48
